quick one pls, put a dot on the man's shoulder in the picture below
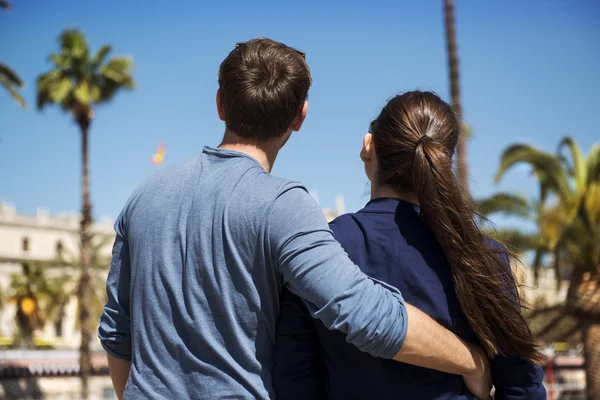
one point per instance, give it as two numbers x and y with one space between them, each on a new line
279 184
168 177
270 188
155 189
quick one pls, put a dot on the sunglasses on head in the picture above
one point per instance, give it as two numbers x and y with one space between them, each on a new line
303 54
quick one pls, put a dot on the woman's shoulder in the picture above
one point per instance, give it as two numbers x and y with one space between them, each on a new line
343 224
342 220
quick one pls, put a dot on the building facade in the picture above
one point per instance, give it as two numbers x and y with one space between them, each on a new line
32 239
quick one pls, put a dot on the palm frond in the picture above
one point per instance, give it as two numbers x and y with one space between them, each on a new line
74 44
117 76
60 61
45 84
100 55
591 202
548 169
504 203
86 94
118 69
593 165
5 5
10 75
515 239
12 82
13 93
578 167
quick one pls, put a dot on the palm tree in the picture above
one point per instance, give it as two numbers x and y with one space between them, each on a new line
461 148
78 82
567 220
36 296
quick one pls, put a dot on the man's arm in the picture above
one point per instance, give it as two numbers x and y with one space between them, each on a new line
119 372
371 314
115 330
430 345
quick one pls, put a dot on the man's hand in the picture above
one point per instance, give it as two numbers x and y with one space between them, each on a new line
479 382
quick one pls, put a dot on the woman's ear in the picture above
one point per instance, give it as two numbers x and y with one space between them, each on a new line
366 154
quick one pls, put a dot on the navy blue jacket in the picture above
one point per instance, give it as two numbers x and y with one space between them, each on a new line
390 242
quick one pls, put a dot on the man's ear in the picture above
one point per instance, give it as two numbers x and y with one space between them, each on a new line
220 108
297 123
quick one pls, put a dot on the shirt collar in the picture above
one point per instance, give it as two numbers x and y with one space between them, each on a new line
391 206
224 153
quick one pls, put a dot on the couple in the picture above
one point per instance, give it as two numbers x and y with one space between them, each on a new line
227 283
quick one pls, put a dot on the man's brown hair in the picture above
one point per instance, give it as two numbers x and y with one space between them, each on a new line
263 86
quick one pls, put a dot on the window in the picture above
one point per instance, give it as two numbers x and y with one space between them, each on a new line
59 249
25 244
60 317
58 327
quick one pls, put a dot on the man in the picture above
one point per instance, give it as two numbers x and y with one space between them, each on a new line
203 249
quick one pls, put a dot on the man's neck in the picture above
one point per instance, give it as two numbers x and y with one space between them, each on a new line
264 153
378 191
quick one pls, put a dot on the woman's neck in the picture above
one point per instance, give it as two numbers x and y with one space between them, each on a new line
378 191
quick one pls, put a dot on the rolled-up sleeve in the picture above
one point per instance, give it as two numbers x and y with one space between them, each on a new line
315 267
115 329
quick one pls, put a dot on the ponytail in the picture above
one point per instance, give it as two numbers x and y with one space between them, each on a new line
415 136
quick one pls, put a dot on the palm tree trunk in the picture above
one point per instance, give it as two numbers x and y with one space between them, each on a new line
461 148
25 330
591 350
580 296
85 360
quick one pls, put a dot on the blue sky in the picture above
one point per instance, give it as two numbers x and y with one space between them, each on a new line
529 72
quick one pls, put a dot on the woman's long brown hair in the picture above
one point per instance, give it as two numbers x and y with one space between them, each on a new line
415 136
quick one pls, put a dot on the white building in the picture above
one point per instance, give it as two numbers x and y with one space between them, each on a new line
544 291
41 237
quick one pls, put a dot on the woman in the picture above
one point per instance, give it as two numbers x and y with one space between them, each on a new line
418 233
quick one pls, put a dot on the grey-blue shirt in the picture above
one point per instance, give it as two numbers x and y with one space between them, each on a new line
202 251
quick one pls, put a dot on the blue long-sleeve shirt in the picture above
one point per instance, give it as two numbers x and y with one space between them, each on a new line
201 253
389 241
